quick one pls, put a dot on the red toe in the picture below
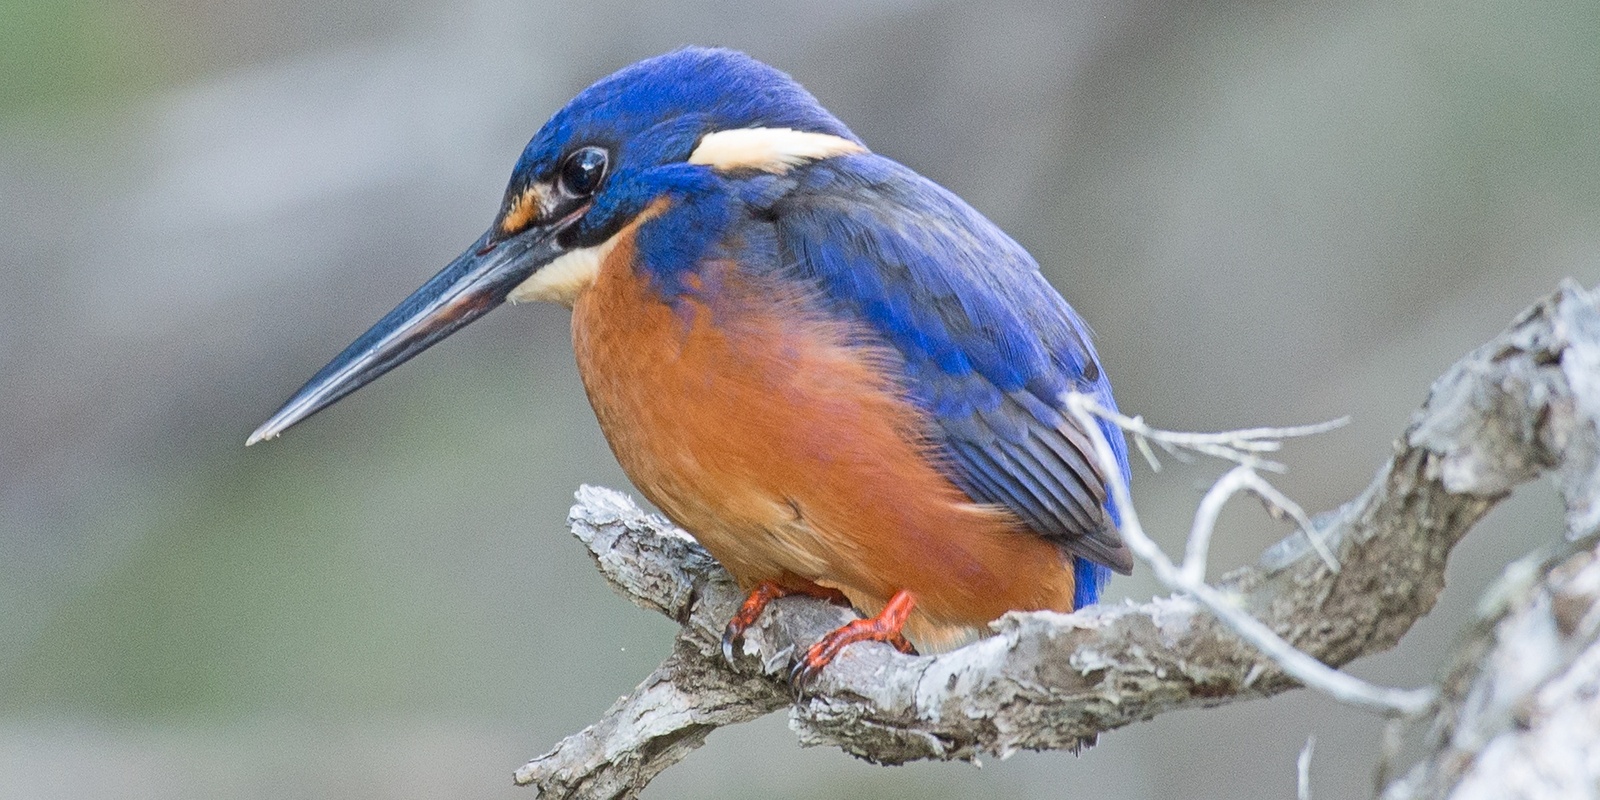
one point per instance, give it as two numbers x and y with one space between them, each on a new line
885 628
759 598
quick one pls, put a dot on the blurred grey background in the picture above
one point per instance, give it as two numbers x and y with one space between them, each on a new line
1271 212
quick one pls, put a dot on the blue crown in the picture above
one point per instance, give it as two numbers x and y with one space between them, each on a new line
685 94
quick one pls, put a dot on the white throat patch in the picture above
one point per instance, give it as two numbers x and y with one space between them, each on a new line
564 279
774 150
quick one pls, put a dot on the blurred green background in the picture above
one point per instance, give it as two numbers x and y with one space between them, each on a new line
1271 212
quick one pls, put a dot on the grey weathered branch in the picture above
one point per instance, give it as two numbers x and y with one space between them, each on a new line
1525 403
1519 715
1521 710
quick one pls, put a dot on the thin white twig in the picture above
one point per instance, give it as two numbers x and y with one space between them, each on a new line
1276 499
1143 444
1205 520
1244 479
1241 478
1242 446
1303 769
1340 686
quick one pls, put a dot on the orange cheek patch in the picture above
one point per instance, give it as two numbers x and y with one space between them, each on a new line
526 208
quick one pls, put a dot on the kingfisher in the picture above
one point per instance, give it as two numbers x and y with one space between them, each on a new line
841 378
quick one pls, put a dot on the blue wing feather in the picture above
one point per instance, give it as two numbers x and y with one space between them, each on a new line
989 347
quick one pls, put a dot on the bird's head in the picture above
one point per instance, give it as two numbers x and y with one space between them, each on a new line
675 123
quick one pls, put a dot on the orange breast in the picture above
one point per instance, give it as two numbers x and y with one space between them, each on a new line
784 446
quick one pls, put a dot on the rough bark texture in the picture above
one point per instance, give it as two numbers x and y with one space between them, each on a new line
1523 404
1519 715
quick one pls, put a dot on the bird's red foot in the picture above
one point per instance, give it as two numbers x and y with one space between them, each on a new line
750 611
885 628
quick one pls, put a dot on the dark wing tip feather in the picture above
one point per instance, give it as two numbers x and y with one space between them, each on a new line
1119 559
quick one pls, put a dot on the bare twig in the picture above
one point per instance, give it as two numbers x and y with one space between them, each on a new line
1242 446
1303 769
1190 579
1243 478
1500 417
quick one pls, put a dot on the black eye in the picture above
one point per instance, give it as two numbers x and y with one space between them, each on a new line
582 172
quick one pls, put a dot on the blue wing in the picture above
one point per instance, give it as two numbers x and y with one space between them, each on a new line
989 346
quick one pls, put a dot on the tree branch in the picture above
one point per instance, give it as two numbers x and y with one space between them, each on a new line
1519 715
1522 404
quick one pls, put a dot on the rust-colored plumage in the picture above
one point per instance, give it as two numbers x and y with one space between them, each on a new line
786 448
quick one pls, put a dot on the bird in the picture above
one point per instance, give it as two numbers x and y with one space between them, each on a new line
837 375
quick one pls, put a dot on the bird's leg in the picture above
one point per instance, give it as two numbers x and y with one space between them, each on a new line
757 601
885 628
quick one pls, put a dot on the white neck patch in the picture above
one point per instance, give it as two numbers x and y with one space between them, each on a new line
774 150
564 279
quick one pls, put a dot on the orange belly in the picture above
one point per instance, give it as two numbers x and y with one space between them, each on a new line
778 440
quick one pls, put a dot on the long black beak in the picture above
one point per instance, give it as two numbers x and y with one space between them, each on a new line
471 286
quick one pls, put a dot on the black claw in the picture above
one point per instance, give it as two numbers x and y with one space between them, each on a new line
805 672
801 676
